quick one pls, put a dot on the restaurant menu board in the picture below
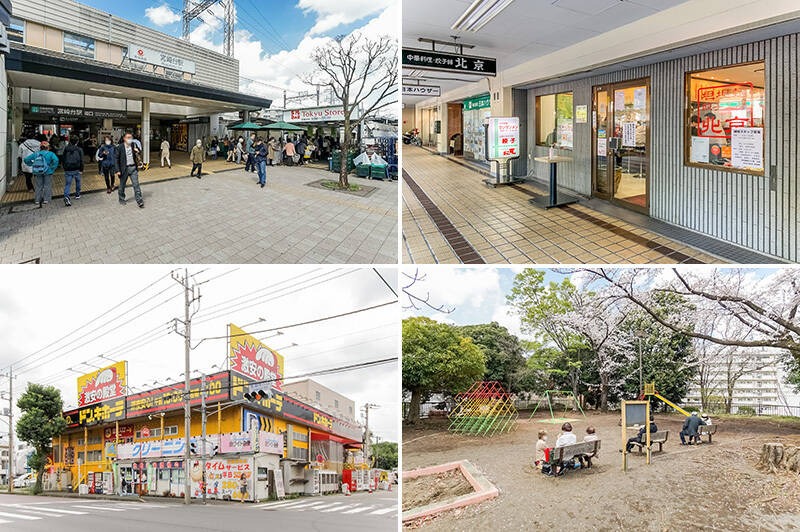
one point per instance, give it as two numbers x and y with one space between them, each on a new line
699 150
747 148
503 138
629 134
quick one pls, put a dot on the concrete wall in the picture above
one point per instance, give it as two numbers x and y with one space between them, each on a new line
752 211
213 69
5 156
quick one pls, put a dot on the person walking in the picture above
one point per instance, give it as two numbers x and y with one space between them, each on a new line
106 155
27 147
43 163
73 167
271 151
128 157
165 153
249 165
214 148
289 152
261 154
239 150
198 157
301 150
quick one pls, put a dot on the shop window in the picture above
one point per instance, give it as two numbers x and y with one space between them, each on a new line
78 45
725 118
163 474
316 395
336 403
16 30
80 458
554 120
172 430
94 456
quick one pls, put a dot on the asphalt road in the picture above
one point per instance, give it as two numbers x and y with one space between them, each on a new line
363 511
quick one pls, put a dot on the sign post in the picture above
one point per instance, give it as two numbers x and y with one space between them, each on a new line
634 413
502 145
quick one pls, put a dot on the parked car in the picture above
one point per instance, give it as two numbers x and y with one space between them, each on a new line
23 481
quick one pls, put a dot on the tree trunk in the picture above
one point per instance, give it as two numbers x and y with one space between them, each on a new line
37 488
604 397
772 456
343 181
413 408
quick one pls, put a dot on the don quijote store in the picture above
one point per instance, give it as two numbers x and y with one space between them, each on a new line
256 425
69 68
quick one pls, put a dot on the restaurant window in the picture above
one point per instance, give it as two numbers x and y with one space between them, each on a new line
725 118
554 120
16 30
78 45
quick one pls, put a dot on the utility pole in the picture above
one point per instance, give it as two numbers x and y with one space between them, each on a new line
367 436
10 376
317 95
189 297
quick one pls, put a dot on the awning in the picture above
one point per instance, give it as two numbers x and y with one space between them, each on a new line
318 436
41 69
248 125
283 126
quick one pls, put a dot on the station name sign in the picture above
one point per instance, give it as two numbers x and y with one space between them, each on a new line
447 62
62 112
421 90
162 59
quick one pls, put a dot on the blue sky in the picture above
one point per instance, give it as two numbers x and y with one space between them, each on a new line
273 40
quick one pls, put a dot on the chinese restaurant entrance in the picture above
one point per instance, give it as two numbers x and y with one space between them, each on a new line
621 143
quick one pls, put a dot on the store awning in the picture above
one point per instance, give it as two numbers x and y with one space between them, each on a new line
283 126
318 436
248 126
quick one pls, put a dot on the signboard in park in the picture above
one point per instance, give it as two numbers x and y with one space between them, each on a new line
447 62
503 138
421 90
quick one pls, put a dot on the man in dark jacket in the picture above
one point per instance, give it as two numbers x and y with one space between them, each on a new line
642 435
73 167
690 428
260 162
128 155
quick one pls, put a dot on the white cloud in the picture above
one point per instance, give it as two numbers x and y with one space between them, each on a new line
331 15
474 287
162 15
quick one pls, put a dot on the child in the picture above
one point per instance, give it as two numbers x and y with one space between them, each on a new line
586 461
541 449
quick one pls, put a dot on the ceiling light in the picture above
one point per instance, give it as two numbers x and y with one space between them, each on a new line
479 14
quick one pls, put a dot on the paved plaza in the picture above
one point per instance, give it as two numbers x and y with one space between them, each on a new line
225 217
451 216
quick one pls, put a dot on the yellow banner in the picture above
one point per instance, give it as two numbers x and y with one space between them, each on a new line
103 384
254 360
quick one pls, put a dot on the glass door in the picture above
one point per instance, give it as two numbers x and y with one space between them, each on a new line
621 143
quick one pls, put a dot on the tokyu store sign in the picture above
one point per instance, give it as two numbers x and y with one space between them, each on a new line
317 114
162 59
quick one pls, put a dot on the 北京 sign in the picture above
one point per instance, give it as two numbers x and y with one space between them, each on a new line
421 90
447 62
154 57
503 138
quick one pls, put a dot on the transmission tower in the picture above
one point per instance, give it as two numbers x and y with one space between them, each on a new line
191 12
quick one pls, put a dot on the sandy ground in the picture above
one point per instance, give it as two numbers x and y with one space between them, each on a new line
429 489
706 487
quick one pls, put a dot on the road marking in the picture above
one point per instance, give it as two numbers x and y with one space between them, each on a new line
325 505
337 507
312 506
285 504
59 511
383 511
93 507
19 516
358 510
4 521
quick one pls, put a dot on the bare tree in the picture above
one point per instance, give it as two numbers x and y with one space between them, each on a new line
417 302
362 73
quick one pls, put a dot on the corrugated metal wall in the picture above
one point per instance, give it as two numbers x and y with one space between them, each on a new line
737 208
213 69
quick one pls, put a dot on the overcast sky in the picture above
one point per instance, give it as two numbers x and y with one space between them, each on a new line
40 305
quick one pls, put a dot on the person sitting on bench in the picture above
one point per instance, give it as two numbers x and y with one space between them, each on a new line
567 436
586 460
639 438
690 429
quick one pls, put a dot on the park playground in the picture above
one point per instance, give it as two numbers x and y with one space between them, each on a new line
715 486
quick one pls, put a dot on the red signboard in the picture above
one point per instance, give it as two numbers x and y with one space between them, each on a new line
125 432
725 99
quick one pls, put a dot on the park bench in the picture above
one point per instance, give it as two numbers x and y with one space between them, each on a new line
706 430
560 455
659 437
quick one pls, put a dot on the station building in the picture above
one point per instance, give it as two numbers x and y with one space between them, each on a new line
648 113
73 68
135 443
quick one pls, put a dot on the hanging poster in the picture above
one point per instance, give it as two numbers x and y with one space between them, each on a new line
747 148
581 113
629 134
269 442
619 100
601 147
699 150
640 98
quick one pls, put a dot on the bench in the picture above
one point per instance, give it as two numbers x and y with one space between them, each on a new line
659 437
560 455
706 430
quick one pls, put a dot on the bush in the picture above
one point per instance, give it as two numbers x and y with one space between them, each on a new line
746 411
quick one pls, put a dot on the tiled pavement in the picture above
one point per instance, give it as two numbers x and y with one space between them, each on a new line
503 227
223 218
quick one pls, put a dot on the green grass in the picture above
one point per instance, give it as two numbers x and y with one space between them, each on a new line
334 185
792 420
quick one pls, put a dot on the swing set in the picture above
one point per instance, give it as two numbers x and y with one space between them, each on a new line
549 399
